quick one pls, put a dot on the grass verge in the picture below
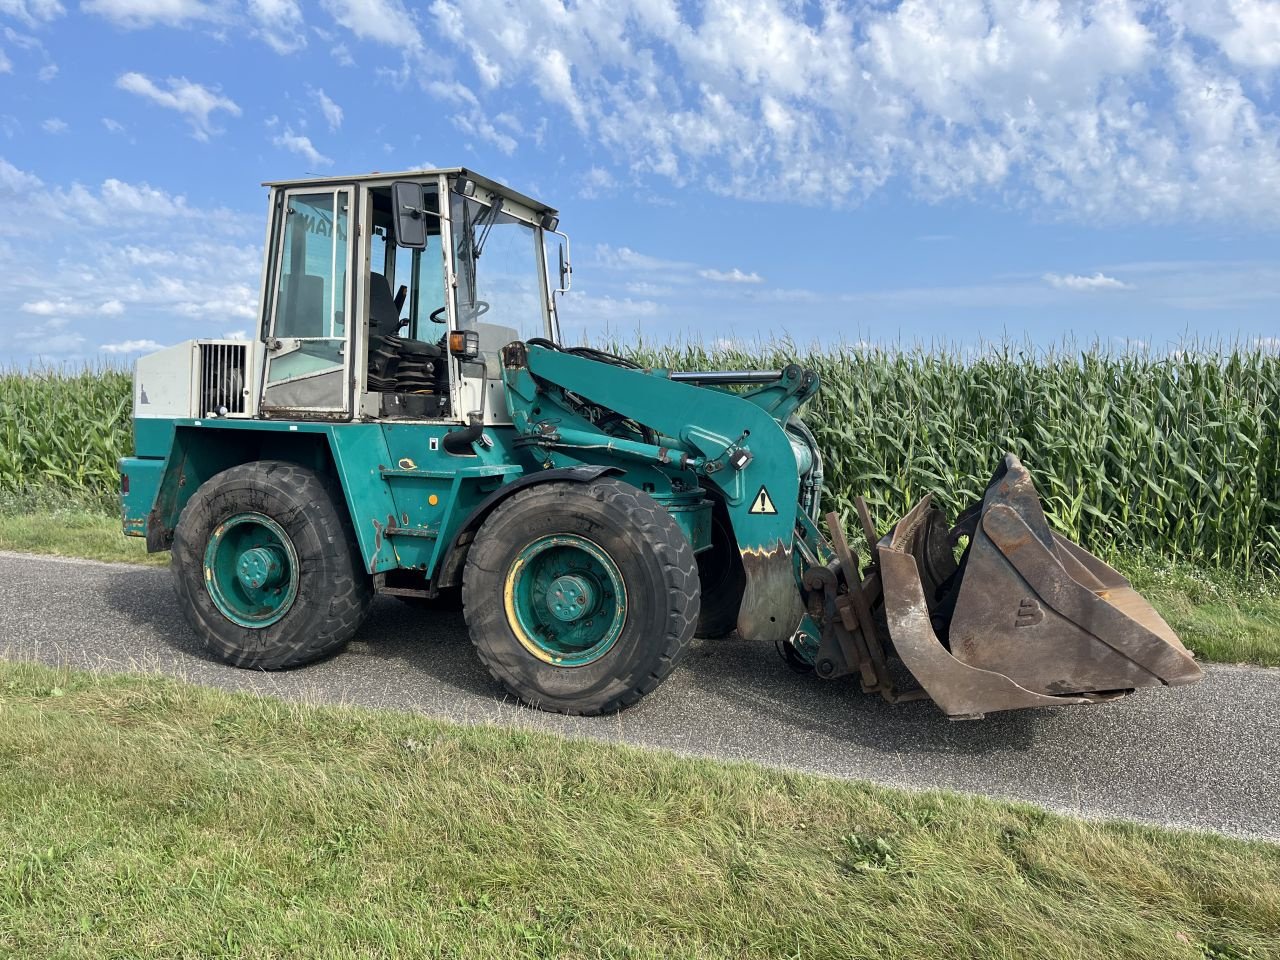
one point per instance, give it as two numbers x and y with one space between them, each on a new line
71 530
1220 616
148 818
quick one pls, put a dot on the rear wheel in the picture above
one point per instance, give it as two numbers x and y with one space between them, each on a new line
266 569
581 598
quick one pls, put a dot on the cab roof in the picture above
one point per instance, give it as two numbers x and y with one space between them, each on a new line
377 177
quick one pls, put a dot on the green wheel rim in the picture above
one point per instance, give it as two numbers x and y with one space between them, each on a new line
565 600
251 570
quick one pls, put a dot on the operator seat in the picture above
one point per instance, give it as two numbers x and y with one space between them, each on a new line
384 315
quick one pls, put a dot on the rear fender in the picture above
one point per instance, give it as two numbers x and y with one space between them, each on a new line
199 452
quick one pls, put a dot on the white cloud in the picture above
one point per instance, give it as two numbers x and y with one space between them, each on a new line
136 14
341 55
32 12
731 276
297 143
1075 281
47 73
280 24
1247 31
131 346
141 253
624 258
113 126
1098 110
332 112
54 125
63 308
194 101
6 65
382 21
595 183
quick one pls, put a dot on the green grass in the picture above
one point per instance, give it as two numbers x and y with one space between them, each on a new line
1220 615
68 525
147 818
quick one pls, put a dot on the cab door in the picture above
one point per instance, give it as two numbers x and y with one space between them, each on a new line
309 348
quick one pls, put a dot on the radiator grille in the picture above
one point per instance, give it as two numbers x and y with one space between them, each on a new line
223 379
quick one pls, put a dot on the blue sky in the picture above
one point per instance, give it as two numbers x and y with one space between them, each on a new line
830 171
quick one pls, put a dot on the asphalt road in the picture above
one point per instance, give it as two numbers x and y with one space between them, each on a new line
1205 756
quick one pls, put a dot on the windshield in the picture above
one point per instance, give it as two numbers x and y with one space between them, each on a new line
500 273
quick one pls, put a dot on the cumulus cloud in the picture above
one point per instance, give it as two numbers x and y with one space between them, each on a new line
131 346
280 24
193 100
730 276
1075 281
1099 110
382 21
301 145
142 256
1247 31
54 125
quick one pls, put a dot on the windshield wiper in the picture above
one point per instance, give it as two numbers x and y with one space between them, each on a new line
486 223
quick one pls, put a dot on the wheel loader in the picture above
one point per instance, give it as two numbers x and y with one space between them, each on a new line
408 421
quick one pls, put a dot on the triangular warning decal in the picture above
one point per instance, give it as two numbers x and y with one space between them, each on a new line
763 503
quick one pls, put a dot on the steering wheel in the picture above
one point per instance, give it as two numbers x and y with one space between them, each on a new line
478 309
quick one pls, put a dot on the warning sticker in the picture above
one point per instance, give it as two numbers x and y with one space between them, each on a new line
763 503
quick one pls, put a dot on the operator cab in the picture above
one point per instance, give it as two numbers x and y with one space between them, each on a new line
390 296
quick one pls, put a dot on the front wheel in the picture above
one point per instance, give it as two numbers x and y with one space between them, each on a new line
266 568
581 598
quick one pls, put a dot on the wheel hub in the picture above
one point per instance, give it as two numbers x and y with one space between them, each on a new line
565 600
251 570
569 597
261 568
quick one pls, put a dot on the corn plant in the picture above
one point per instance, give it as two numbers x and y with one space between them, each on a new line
64 430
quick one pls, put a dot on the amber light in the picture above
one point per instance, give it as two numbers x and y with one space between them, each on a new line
464 343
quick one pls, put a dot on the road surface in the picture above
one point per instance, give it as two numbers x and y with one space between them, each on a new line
1205 756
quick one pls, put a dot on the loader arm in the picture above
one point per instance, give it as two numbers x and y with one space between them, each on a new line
734 443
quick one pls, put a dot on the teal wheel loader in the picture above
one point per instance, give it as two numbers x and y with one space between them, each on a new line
408 422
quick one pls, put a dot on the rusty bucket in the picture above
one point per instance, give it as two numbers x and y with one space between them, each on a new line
1026 618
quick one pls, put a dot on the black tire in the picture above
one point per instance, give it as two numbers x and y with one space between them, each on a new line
657 567
723 579
334 592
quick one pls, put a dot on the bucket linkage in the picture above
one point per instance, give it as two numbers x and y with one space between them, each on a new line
1026 618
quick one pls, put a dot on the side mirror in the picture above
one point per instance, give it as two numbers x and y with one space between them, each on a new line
566 271
409 203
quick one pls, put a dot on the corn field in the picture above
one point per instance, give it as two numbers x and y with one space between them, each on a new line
1178 455
65 430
